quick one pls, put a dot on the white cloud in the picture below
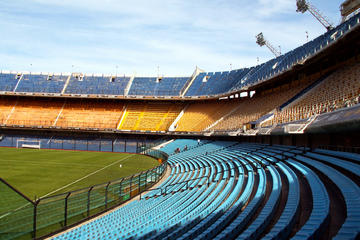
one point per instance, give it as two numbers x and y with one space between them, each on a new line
139 35
268 8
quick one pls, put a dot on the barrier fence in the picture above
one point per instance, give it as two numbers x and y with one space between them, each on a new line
22 218
103 145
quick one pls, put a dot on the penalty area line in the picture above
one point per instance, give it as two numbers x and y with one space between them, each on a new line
90 174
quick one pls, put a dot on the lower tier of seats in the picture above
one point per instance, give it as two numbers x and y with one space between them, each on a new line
230 190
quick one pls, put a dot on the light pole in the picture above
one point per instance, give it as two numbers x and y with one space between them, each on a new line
304 5
261 41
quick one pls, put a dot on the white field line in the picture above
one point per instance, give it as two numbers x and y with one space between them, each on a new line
90 174
6 214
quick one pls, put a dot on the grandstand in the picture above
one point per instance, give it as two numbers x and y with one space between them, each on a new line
264 152
340 89
289 79
241 186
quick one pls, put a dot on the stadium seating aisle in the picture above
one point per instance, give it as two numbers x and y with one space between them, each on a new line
229 190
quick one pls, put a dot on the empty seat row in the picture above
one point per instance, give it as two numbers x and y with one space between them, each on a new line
229 190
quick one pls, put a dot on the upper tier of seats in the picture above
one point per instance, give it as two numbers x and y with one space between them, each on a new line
251 109
340 89
97 85
166 86
205 84
215 83
230 190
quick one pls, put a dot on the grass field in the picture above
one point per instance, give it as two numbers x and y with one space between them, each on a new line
46 172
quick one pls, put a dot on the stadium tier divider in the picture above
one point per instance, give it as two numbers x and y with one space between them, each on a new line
22 218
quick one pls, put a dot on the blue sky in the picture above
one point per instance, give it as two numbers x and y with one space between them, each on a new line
137 36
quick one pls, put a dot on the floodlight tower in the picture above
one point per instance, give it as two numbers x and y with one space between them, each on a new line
303 6
261 41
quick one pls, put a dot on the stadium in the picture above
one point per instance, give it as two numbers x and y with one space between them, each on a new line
269 151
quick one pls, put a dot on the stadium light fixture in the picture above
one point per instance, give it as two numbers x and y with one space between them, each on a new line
261 41
303 6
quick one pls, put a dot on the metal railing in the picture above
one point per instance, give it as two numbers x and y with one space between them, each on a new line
22 218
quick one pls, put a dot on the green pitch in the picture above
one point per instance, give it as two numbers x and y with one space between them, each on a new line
47 172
